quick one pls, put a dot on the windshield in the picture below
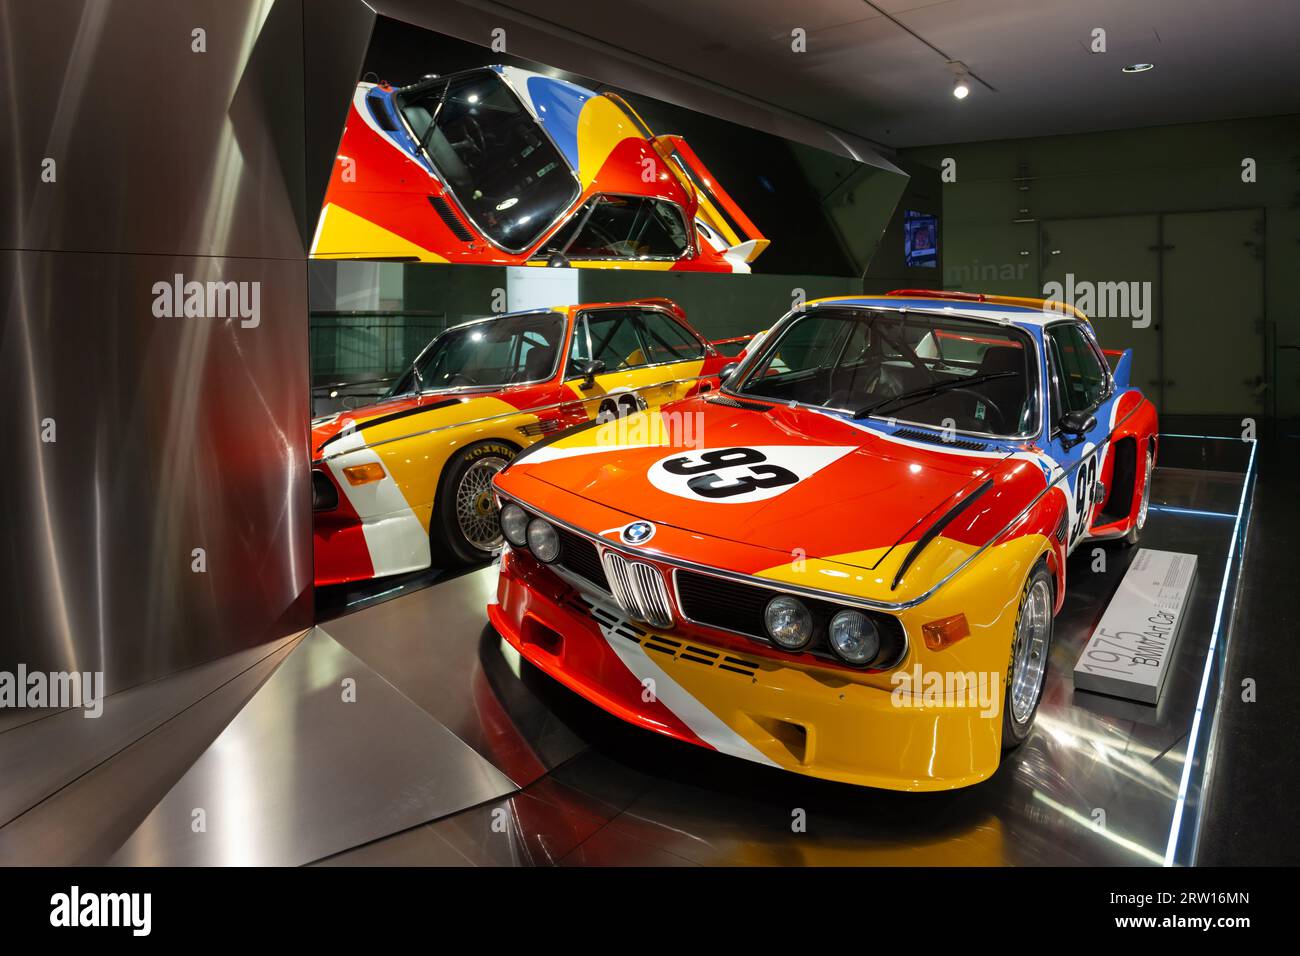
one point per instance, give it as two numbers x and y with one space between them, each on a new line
493 155
509 350
940 371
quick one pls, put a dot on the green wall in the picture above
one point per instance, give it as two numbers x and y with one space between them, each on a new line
1171 169
719 305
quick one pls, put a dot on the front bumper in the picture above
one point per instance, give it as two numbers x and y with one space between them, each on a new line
817 721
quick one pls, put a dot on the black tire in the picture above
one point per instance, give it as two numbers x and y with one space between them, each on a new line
452 542
1015 729
1134 533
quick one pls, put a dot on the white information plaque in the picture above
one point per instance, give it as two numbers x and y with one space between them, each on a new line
1128 654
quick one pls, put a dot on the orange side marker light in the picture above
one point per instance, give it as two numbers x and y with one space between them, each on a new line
364 474
945 632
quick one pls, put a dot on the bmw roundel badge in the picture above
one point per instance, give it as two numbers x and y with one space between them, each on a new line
638 532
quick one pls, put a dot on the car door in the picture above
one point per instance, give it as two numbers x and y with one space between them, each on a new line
1079 381
643 357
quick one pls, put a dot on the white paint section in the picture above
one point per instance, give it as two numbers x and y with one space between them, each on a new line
555 452
759 472
703 722
396 540
529 288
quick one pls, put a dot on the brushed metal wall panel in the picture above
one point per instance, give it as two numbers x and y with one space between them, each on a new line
172 434
157 148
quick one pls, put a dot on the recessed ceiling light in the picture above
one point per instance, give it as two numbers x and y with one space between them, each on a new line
1139 67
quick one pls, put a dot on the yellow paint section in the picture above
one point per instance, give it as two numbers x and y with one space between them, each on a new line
345 235
869 573
429 439
866 728
602 125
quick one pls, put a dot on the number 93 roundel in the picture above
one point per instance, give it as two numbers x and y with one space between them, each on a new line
741 474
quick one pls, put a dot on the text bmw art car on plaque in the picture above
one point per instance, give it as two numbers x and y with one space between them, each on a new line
887 488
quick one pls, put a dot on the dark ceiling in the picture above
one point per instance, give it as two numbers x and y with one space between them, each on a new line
878 68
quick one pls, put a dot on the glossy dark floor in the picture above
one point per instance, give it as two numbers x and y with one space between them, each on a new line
1248 819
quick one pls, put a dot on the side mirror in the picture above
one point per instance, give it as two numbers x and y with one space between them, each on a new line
727 371
1077 424
557 260
589 368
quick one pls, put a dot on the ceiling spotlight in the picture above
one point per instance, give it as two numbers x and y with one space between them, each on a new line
1139 67
960 79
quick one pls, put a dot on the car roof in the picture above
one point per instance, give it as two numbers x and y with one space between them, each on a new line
1020 311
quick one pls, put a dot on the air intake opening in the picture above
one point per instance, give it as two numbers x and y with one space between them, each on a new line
793 737
539 635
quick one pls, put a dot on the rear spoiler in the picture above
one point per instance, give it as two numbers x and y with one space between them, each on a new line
1121 365
715 205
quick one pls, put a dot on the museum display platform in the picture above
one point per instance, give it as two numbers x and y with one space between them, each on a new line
405 731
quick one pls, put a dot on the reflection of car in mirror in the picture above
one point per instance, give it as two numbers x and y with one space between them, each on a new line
885 493
407 480
500 165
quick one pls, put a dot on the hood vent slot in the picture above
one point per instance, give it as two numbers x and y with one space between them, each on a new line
965 444
739 403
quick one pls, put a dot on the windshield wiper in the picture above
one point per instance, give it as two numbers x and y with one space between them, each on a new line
917 394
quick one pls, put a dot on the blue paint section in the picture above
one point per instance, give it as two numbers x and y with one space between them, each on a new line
558 104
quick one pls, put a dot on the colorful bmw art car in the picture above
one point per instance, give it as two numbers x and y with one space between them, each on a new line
503 166
406 482
852 567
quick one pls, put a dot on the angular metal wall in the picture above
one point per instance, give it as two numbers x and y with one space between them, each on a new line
145 139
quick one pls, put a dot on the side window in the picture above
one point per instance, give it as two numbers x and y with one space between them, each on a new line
614 339
622 227
666 341
808 344
1082 377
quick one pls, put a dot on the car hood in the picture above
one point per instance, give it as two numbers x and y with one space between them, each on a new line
789 479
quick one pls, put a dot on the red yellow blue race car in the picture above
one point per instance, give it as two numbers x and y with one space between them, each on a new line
851 568
499 165
406 482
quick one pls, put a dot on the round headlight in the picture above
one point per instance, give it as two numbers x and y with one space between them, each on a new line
514 524
788 622
543 541
854 638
